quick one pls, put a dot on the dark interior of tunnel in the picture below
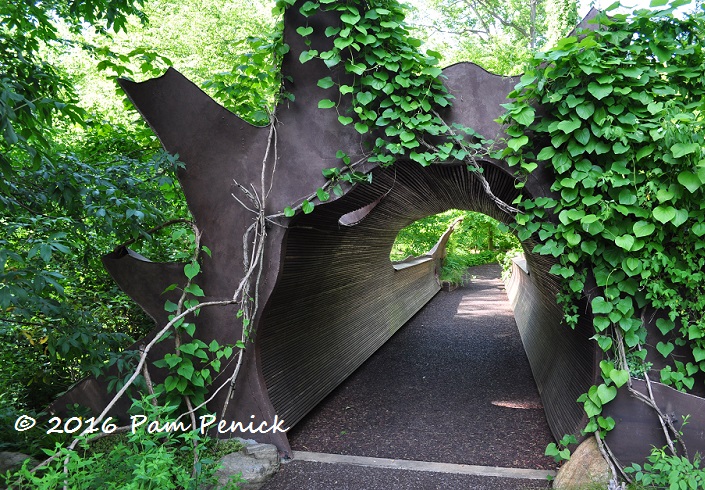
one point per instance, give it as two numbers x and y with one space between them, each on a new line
350 299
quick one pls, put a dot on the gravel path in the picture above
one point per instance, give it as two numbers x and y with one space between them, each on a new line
303 475
452 386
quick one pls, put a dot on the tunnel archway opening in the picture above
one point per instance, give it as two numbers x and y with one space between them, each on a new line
476 239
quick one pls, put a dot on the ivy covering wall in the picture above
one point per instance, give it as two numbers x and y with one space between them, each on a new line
621 130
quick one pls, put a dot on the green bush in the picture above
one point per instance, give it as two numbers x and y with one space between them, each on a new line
668 471
133 460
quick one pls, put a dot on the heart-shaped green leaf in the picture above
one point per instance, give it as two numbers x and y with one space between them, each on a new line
350 18
572 238
606 423
665 325
606 393
588 247
618 148
643 228
345 120
606 367
664 214
546 153
664 195
304 31
326 82
192 269
307 55
604 342
620 377
307 207
525 117
633 265
585 110
625 241
599 305
599 91
627 197
357 69
689 180
645 151
529 166
195 289
681 149
591 409
631 339
569 126
322 195
361 128
407 136
582 136
516 143
680 217
325 104
664 348
364 98
625 305
698 354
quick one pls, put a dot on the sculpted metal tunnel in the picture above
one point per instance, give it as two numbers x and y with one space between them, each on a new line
329 296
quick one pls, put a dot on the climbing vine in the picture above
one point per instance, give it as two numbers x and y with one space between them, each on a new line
393 96
623 133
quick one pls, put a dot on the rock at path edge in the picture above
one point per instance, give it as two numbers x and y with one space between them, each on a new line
586 466
257 463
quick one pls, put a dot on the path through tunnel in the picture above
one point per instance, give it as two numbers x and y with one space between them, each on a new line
339 299
453 386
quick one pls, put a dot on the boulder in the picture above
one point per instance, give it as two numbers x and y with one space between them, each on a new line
256 463
586 468
11 461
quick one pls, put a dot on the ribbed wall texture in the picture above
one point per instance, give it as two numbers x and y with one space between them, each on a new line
562 360
339 298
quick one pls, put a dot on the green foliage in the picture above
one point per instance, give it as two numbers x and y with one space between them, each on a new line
33 93
560 452
499 35
145 457
478 240
397 88
201 40
395 92
456 263
134 460
77 180
194 364
58 201
73 185
63 321
252 88
668 471
622 131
